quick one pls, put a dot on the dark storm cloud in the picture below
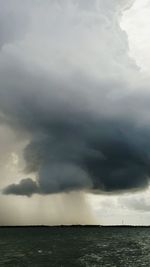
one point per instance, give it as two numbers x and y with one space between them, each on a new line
86 127
25 187
74 149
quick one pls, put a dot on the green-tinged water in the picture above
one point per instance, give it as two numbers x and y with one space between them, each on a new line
75 246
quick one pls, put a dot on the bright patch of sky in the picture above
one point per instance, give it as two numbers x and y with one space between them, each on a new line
136 22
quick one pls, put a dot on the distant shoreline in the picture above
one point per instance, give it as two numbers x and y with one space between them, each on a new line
74 226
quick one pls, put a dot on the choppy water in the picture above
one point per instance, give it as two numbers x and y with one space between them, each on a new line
70 247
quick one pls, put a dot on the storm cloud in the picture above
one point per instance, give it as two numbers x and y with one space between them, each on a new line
69 88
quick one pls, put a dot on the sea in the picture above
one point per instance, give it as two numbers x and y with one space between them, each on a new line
75 246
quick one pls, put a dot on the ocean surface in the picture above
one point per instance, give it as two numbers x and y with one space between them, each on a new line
75 246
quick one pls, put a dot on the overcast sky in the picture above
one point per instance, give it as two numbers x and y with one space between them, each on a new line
74 111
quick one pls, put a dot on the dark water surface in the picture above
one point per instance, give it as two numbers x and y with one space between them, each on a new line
75 246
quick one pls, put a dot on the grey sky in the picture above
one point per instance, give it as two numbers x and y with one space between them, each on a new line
73 97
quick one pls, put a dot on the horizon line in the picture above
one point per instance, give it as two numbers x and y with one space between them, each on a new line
73 225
